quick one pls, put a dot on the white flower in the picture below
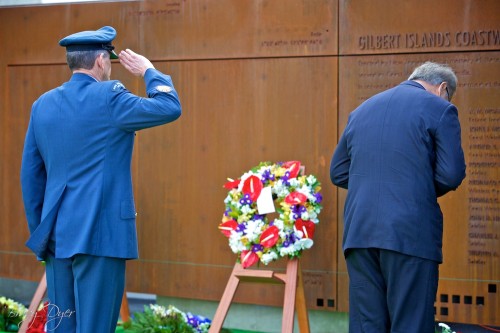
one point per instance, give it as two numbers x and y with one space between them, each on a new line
304 216
15 308
159 310
306 190
254 229
446 328
278 223
284 251
268 257
311 179
246 209
313 216
294 182
281 227
299 233
235 242
305 243
281 189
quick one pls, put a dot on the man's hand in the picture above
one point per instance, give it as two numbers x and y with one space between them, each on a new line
134 63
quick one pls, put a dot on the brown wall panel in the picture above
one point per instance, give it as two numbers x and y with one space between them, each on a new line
466 301
415 26
176 29
36 31
20 266
241 29
236 113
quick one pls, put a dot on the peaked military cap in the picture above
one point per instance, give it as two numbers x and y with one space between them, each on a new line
91 40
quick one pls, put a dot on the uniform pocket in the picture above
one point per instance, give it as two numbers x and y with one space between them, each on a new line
127 209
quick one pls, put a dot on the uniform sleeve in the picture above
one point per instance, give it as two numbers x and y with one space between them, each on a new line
449 169
33 179
131 113
340 164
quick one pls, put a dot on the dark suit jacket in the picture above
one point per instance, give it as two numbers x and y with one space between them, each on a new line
400 151
75 174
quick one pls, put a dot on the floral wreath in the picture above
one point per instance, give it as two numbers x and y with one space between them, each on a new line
268 188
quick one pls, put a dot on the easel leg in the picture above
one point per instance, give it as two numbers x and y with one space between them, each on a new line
124 309
224 304
289 302
300 305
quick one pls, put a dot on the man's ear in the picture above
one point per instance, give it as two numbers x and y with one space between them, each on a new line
99 61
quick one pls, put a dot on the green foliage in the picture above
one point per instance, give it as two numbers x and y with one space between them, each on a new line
149 322
11 315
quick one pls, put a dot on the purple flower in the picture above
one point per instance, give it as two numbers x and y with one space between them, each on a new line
191 320
290 239
319 197
267 176
297 211
258 217
246 200
285 178
195 321
241 227
257 247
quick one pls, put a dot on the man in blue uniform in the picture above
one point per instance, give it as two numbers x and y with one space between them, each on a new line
400 151
76 179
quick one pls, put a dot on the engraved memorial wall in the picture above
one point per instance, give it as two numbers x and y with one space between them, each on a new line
267 80
381 51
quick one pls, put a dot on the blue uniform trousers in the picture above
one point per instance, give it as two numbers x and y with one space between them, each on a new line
85 293
390 292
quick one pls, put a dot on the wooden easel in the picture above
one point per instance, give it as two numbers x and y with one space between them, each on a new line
294 298
40 293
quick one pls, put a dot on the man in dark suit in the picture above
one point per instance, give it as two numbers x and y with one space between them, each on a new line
400 151
76 179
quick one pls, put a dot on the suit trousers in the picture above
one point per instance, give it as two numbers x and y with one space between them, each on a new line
85 293
390 292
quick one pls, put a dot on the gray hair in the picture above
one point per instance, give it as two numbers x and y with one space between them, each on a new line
83 59
435 74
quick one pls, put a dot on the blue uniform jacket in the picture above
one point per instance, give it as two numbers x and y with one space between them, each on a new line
75 174
400 151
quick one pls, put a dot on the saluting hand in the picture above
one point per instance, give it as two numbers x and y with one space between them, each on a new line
134 63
